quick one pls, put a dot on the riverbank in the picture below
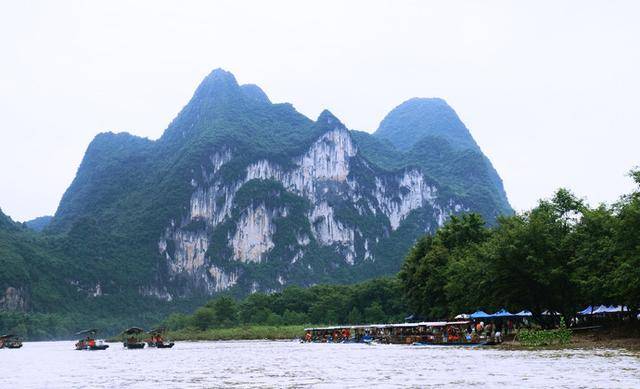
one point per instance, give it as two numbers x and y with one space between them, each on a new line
254 332
618 338
627 337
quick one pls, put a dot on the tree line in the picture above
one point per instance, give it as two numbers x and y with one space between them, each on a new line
561 255
373 301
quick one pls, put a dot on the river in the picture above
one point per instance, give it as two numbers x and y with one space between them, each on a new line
258 364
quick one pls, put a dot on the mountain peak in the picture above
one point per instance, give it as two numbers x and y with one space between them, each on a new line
220 74
218 84
417 118
327 118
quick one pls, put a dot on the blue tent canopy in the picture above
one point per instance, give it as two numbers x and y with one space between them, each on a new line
587 311
479 315
601 309
503 313
524 313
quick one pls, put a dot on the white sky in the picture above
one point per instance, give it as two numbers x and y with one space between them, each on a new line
548 89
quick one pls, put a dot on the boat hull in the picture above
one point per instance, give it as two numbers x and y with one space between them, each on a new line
134 346
471 344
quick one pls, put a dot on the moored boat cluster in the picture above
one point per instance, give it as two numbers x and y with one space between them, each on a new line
462 332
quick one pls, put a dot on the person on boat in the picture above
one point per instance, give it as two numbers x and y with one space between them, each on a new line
92 343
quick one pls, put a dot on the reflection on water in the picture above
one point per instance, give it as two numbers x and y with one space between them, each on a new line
291 364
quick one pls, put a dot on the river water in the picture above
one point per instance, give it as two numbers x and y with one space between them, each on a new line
258 364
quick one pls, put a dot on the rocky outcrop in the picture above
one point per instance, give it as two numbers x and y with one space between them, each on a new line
254 232
13 299
323 175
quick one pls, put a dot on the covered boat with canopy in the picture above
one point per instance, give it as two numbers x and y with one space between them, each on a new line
88 341
10 341
156 338
131 338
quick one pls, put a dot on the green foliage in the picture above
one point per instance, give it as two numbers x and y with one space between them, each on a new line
536 337
378 300
562 255
244 332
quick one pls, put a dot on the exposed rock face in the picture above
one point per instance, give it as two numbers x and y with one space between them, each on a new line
13 300
414 194
327 160
253 237
325 177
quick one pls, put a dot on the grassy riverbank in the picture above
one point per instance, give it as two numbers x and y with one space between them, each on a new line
251 332
626 337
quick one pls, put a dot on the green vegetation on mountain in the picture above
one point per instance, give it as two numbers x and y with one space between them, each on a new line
429 134
416 118
39 223
120 248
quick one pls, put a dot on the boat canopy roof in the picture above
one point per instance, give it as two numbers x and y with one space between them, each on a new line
92 331
7 336
133 330
158 330
397 325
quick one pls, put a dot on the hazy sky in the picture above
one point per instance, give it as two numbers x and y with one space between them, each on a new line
550 90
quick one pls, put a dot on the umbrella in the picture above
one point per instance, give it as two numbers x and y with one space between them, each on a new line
524 313
462 316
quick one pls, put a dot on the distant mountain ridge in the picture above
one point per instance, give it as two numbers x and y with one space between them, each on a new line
242 195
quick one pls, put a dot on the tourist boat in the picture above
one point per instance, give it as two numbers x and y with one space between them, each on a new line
89 342
442 333
10 341
156 340
131 338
